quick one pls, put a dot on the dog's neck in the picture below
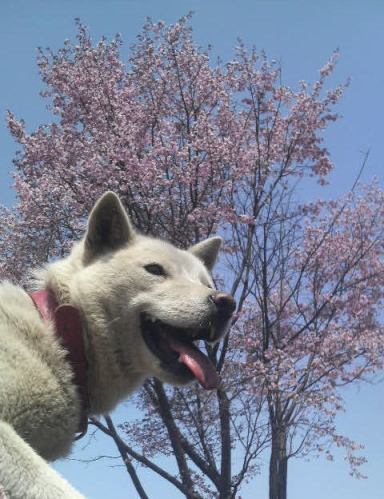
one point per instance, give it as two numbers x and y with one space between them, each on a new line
67 325
109 377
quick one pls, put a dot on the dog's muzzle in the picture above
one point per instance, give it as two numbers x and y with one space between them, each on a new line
175 348
224 307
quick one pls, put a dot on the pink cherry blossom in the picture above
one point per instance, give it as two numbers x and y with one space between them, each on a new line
193 148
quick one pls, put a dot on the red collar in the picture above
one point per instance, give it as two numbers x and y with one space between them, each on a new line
69 331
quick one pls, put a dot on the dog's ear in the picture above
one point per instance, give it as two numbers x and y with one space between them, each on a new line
109 227
207 251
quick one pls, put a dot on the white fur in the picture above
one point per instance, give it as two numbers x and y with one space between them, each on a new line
105 278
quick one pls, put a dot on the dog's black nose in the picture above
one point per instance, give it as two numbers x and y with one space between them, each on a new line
224 302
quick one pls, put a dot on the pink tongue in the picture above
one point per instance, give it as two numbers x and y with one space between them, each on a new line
201 367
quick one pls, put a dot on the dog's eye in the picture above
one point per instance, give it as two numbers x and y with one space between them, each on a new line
155 269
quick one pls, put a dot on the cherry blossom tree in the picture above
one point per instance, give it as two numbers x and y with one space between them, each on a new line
194 148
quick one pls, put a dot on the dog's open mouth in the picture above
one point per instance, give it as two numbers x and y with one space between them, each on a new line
177 353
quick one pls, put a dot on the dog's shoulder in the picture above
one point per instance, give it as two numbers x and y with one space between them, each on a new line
37 395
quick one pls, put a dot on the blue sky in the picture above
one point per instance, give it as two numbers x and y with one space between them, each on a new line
300 34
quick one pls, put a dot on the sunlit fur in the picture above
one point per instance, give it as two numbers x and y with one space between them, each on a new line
104 277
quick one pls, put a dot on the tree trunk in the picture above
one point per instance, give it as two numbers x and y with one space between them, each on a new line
225 471
278 465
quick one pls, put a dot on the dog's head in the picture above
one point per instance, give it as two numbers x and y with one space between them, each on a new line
159 300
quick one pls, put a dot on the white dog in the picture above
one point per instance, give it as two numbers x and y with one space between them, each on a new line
120 308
